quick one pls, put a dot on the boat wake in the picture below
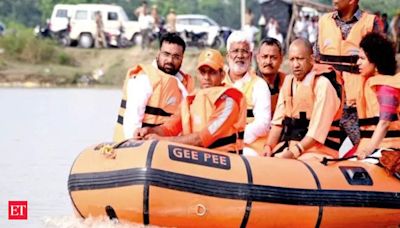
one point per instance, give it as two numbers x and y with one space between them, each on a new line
98 222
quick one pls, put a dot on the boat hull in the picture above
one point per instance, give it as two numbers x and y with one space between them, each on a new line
169 184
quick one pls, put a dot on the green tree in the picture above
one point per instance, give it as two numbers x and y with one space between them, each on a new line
23 11
384 6
226 13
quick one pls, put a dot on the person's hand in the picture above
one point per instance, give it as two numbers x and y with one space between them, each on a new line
362 153
140 133
152 136
286 153
267 151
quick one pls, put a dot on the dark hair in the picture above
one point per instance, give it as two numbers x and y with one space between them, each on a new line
269 41
380 51
173 38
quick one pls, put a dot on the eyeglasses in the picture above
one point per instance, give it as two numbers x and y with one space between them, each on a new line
238 51
174 56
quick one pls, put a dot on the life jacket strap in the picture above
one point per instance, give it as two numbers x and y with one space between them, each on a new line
156 111
296 129
226 140
350 59
249 113
150 125
389 134
368 121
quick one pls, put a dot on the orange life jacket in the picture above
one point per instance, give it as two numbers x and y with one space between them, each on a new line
275 90
343 53
202 105
369 113
188 82
247 90
159 107
298 110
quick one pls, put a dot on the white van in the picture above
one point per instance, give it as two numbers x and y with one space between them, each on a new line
83 24
60 15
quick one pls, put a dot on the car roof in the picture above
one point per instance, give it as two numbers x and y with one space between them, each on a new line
191 16
97 6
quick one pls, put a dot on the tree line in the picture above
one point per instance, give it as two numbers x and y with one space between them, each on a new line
224 12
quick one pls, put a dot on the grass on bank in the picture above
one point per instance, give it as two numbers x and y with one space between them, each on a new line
20 43
25 58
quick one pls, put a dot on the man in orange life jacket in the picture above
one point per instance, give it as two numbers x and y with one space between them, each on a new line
152 92
269 60
213 117
339 35
239 75
308 103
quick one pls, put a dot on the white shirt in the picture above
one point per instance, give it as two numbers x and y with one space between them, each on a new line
312 32
261 98
273 33
145 21
139 91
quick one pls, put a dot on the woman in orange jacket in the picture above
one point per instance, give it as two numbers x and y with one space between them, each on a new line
379 116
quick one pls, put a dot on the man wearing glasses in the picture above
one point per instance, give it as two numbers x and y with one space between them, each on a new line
153 92
258 97
213 117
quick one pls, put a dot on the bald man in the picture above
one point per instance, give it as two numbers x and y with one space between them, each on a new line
308 109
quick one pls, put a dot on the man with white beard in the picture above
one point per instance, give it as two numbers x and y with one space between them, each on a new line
258 97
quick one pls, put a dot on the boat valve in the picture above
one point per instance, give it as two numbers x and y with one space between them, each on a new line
200 209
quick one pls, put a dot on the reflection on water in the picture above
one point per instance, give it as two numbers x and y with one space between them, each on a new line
41 133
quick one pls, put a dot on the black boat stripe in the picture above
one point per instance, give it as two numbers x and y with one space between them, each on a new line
320 214
231 190
150 153
249 201
321 208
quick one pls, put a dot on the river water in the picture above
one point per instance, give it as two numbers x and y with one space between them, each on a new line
41 133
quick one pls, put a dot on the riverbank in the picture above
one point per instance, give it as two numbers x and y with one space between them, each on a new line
88 67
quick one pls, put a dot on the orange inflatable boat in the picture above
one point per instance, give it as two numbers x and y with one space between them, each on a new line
175 185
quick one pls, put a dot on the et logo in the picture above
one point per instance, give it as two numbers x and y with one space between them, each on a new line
17 210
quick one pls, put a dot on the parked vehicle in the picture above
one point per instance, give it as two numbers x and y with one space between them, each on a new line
83 25
197 24
61 36
195 39
60 17
117 39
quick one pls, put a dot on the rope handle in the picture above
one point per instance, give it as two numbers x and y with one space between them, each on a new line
108 149
326 160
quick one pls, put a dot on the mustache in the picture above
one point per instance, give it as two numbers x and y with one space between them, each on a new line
268 65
